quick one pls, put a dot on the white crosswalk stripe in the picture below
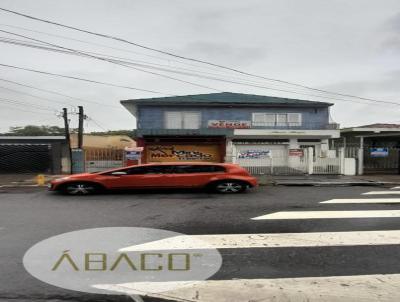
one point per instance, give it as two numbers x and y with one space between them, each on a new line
383 288
365 200
382 193
236 241
352 288
330 214
395 188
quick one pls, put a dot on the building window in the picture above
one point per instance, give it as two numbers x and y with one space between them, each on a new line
198 169
294 119
276 119
182 120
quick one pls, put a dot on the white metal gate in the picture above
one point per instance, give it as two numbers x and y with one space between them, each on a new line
270 159
326 165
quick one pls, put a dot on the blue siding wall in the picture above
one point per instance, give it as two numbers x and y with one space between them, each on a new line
151 117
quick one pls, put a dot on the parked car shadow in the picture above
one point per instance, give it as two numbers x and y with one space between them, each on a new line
152 191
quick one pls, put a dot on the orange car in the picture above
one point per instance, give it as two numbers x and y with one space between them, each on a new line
221 178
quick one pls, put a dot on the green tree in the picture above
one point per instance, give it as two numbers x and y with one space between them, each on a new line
130 133
32 130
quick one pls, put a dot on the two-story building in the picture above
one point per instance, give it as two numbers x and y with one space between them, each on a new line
220 127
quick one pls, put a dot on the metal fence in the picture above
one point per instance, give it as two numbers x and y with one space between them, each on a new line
388 164
277 163
326 165
280 162
103 159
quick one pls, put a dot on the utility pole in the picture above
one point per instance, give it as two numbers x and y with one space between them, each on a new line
66 126
80 127
67 135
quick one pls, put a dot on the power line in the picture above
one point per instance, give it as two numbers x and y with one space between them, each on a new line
56 93
105 46
81 53
111 61
31 95
81 79
144 64
181 57
124 50
150 65
39 107
19 109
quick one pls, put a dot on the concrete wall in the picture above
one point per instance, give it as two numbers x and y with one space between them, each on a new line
152 117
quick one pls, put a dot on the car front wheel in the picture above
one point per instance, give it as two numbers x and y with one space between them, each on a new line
79 188
230 186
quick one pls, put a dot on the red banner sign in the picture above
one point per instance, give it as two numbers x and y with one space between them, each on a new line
296 152
229 124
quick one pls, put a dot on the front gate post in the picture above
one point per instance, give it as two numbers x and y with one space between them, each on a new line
310 158
361 157
341 160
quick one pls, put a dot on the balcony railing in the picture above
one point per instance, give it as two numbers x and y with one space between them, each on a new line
303 125
227 131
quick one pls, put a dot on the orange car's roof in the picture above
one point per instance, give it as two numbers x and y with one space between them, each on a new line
172 163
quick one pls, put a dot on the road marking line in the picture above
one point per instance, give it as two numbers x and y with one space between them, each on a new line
313 289
236 241
365 200
395 188
329 214
381 193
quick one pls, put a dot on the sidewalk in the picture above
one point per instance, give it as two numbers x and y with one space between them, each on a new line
328 180
23 180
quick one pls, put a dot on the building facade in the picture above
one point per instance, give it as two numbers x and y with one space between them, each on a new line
376 146
223 127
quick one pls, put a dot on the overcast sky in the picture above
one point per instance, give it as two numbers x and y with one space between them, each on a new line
350 47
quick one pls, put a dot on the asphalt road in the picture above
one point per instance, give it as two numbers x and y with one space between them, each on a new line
34 215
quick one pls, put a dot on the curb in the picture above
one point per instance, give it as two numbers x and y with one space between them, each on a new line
330 184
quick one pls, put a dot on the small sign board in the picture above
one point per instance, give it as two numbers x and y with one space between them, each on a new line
230 124
379 152
254 154
296 152
133 153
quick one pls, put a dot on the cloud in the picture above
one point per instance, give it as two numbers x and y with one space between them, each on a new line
390 33
387 83
393 23
220 51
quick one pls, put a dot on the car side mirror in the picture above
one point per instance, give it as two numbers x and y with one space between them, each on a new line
118 173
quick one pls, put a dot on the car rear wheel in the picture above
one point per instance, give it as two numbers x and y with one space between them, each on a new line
80 188
230 186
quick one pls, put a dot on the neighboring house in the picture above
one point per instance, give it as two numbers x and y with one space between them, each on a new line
374 135
219 127
103 141
100 152
377 146
34 154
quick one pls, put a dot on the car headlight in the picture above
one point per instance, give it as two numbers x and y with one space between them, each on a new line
61 179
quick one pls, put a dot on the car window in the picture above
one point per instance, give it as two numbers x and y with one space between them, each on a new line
198 169
150 170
